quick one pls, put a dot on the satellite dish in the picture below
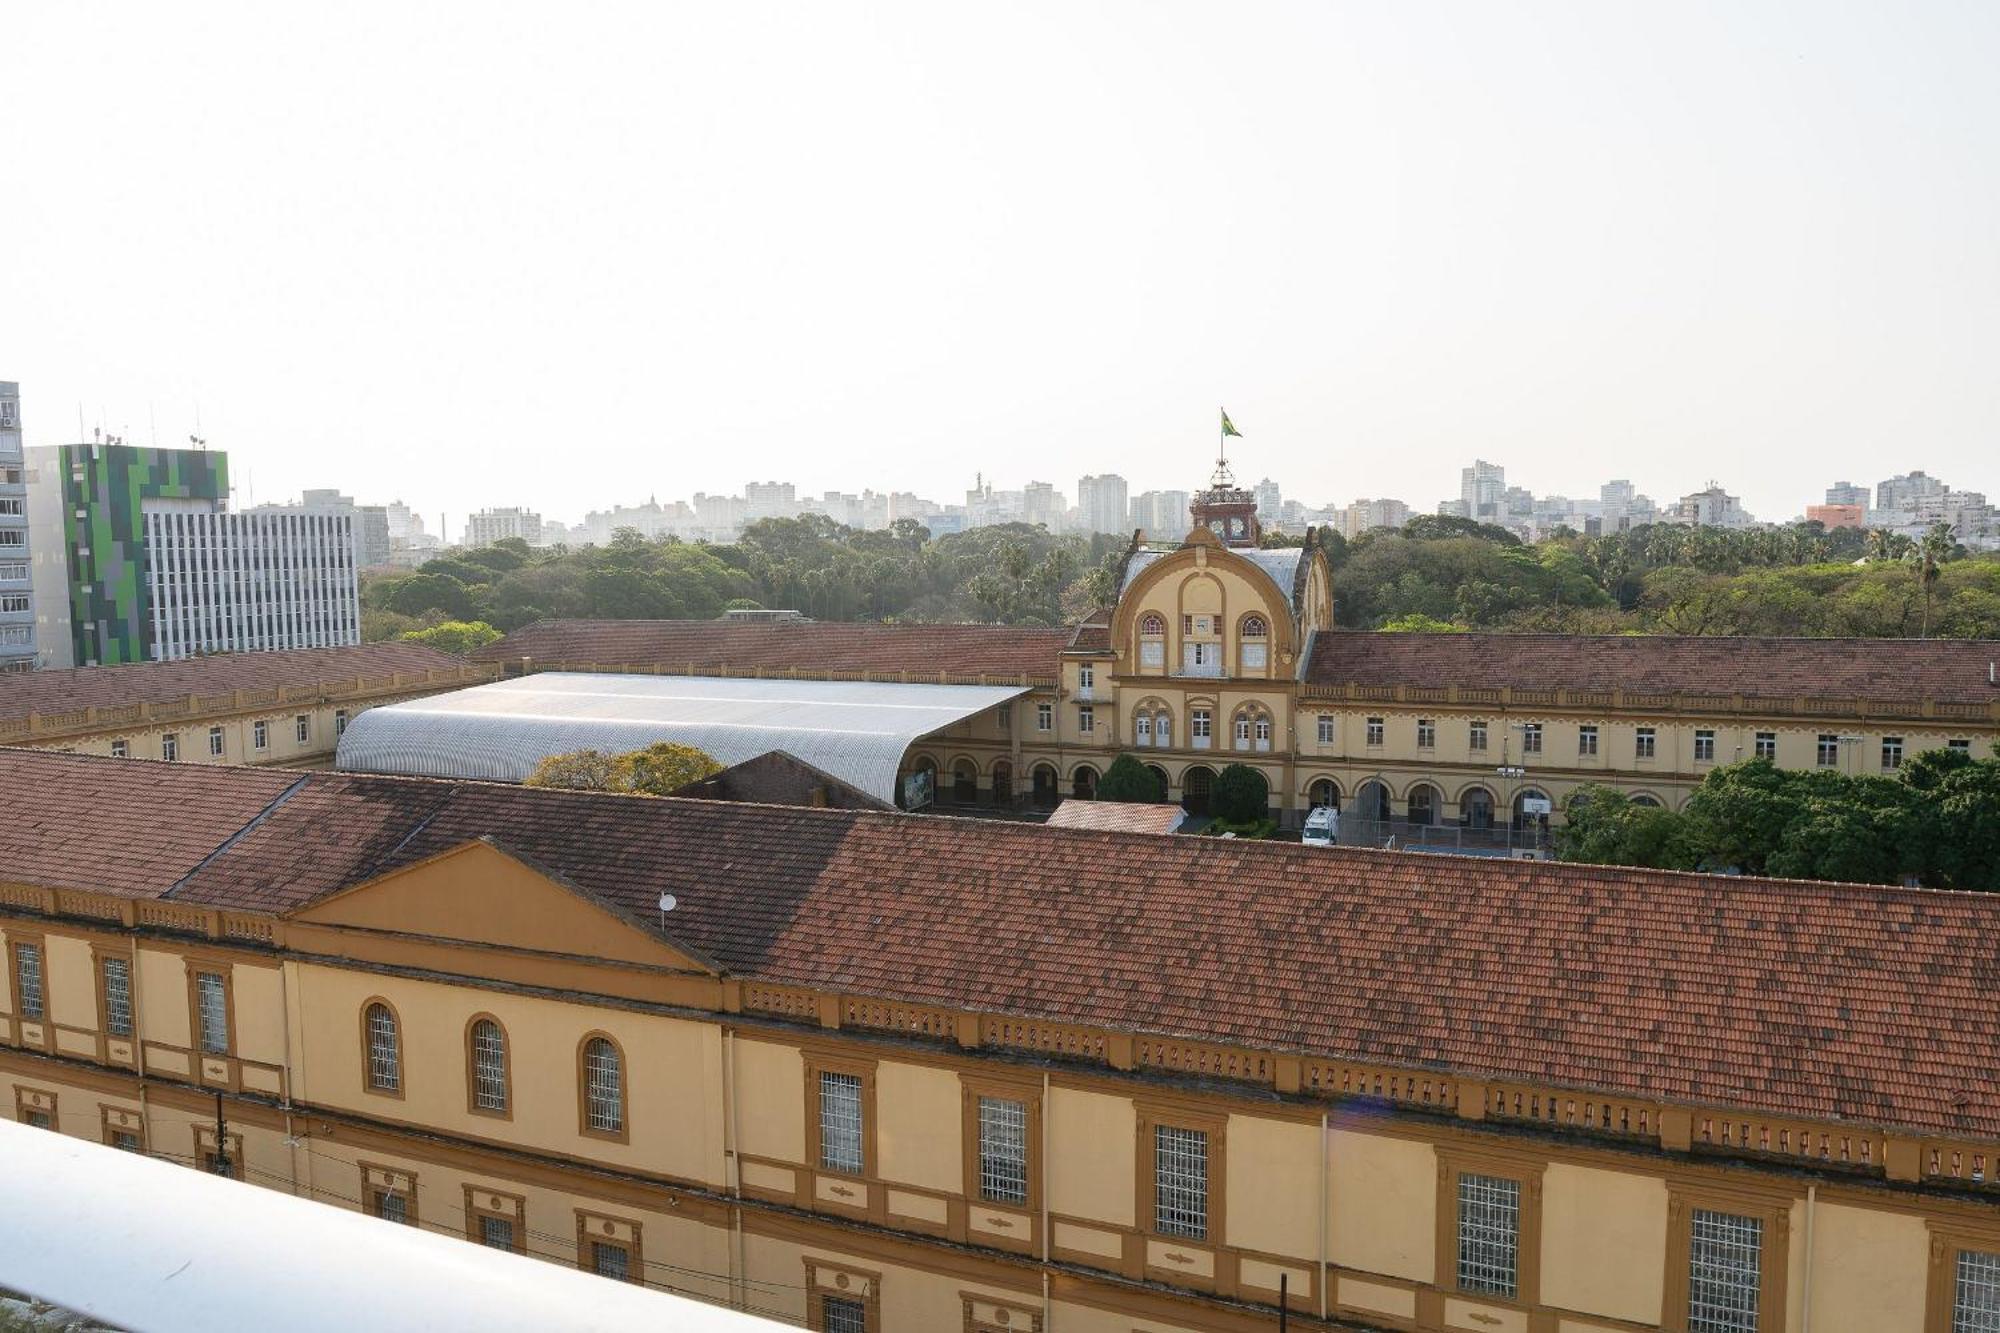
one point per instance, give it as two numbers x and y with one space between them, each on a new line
668 902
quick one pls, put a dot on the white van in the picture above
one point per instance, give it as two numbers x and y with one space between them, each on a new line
1322 827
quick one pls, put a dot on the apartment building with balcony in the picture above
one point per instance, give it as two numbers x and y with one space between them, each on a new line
17 593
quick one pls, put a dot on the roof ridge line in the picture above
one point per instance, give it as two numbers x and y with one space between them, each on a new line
270 808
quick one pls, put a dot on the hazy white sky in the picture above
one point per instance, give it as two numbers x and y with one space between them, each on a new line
565 255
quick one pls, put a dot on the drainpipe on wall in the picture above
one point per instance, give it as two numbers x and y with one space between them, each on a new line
1325 1181
1805 1311
732 1174
1048 1315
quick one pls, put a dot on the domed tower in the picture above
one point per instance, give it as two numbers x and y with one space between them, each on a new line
1226 509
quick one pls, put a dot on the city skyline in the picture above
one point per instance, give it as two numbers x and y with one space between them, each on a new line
1415 248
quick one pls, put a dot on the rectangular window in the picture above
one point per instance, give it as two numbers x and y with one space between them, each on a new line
1975 1299
1725 1272
1475 736
1143 728
1829 750
1646 743
117 977
842 1314
496 1233
1531 738
608 1259
1003 716
1704 746
260 735
38 1119
393 1206
1427 733
1003 1150
1086 718
1326 728
1376 727
215 742
1045 717
1767 745
1201 727
28 1002
840 1122
170 747
1086 676
212 1012
302 724
1892 752
124 1140
14 601
1962 746
1586 740
1489 1234
121 749
1180 1182
340 721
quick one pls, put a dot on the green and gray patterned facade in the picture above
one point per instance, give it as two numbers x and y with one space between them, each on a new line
95 543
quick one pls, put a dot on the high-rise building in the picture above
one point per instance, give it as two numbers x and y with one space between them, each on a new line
1483 488
1042 505
17 593
1847 493
1713 508
138 559
1366 515
372 546
1903 492
1270 501
1101 500
1160 514
492 525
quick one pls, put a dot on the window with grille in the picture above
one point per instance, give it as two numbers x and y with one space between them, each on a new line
840 1122
1767 745
612 1261
1475 736
496 1232
124 1140
392 1206
118 997
604 1087
842 1314
385 1060
1829 750
28 979
1704 747
1975 1300
1725 1269
1003 1150
1375 730
1489 1234
489 1066
1892 752
1531 738
1326 729
1586 740
38 1120
212 1012
1180 1182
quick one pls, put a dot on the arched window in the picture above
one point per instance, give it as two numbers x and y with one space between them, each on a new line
1323 792
486 1063
385 1051
1422 803
603 1087
1152 640
1152 625
1254 652
1083 783
1251 728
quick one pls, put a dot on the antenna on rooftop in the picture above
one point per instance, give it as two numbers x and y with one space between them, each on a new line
667 904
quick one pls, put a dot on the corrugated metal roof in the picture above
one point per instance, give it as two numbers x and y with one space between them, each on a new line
1280 564
855 730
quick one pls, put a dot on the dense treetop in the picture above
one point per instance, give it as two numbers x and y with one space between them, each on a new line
1438 574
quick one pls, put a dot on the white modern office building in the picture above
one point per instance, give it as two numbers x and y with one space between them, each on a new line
17 596
228 583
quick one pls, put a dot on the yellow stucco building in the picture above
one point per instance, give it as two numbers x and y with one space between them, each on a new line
871 1071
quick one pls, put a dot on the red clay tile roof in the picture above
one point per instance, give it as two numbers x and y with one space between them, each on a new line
1116 816
810 645
63 691
1943 669
1815 1000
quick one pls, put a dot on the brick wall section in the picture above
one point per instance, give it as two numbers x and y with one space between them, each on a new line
1823 1001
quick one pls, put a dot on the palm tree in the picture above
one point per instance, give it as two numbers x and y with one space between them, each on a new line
1926 558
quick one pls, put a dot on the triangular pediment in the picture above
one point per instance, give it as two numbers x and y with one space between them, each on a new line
481 893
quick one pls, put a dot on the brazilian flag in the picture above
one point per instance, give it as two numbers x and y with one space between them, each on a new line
1228 426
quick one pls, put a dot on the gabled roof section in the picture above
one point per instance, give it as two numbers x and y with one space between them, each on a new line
482 892
1955 670
64 691
811 648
